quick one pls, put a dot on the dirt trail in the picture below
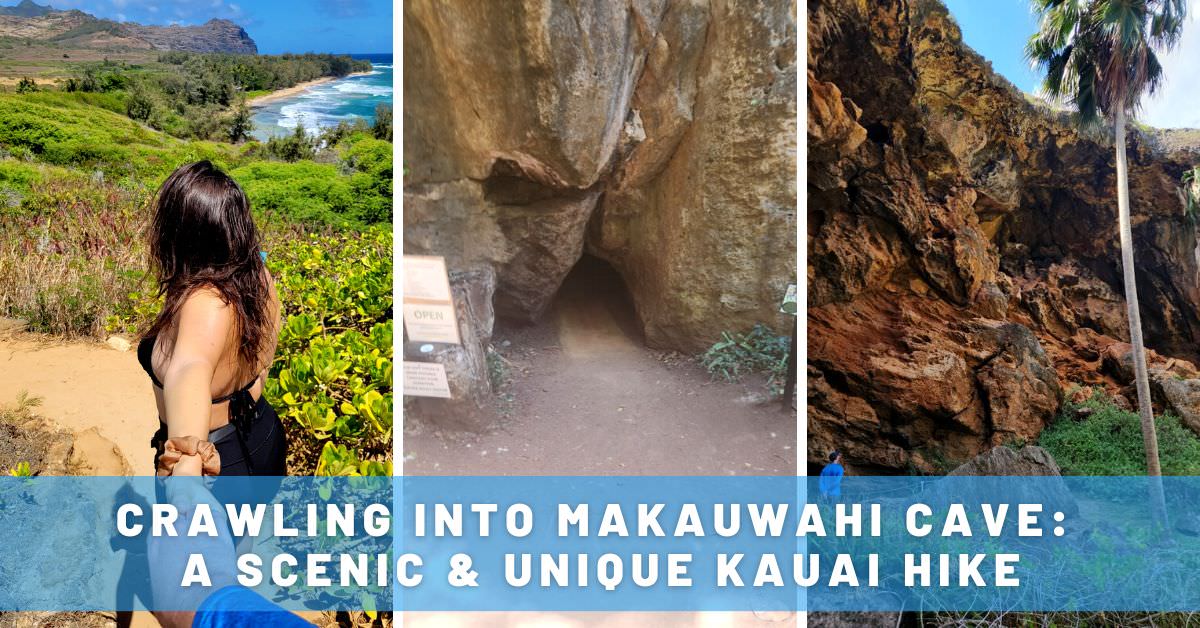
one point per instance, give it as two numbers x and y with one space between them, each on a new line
97 392
590 399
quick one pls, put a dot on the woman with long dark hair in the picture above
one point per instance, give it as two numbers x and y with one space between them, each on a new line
210 347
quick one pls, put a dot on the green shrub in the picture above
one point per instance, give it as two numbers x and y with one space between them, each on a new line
293 147
1106 440
310 193
332 378
759 350
383 122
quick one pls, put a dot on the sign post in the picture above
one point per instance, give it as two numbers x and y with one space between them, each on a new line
789 385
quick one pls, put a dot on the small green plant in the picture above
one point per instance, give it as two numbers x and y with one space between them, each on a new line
497 370
26 86
500 377
759 350
1191 190
22 470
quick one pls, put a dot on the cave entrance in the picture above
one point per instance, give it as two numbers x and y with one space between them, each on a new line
594 311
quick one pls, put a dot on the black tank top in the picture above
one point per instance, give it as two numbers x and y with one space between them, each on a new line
145 353
243 408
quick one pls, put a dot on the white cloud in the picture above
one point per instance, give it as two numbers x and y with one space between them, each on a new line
1177 103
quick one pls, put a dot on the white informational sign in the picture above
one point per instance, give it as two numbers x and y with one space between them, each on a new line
789 301
425 379
425 279
429 314
431 322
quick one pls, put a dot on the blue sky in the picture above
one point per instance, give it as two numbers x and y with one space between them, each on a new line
998 30
276 25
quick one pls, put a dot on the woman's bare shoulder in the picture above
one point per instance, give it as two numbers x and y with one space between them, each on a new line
206 307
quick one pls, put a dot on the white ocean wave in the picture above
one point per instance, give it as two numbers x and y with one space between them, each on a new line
322 106
363 88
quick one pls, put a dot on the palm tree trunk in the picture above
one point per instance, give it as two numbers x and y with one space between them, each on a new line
1141 377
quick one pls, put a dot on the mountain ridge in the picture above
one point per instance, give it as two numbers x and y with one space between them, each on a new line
32 21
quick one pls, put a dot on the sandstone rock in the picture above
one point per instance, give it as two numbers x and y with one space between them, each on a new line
471 406
119 343
665 150
1178 395
1005 461
707 244
1031 461
898 383
963 257
544 84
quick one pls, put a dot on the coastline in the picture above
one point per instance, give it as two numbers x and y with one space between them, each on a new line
296 89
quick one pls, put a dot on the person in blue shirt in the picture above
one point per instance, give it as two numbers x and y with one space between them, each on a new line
830 483
224 605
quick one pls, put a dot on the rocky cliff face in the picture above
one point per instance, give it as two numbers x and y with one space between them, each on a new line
658 135
29 20
963 259
211 36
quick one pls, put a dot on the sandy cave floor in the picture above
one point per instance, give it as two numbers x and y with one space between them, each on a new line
588 398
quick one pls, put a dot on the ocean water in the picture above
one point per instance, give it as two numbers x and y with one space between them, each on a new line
327 104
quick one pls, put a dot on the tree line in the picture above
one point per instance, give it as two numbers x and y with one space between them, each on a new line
202 96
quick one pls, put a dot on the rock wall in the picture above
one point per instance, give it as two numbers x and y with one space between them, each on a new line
963 259
656 134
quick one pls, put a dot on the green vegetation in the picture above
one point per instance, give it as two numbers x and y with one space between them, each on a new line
1099 438
759 350
333 373
1101 56
1191 191
21 470
79 167
202 96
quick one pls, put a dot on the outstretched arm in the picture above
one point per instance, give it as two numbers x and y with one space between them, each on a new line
204 325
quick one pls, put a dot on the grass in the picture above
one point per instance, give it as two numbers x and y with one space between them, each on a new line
1105 440
21 449
76 180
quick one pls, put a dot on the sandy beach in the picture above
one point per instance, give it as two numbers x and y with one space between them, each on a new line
295 89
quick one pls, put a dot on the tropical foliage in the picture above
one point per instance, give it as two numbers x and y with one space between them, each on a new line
201 96
333 376
759 350
76 178
1101 56
1191 191
1096 437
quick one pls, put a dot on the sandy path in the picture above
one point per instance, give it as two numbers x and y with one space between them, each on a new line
590 399
85 385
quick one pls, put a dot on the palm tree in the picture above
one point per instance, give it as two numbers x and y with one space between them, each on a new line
1101 56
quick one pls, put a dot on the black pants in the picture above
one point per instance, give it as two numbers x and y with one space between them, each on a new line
261 451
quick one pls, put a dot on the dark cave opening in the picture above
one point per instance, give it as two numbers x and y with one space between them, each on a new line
594 295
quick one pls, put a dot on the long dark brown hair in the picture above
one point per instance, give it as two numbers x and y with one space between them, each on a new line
203 236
